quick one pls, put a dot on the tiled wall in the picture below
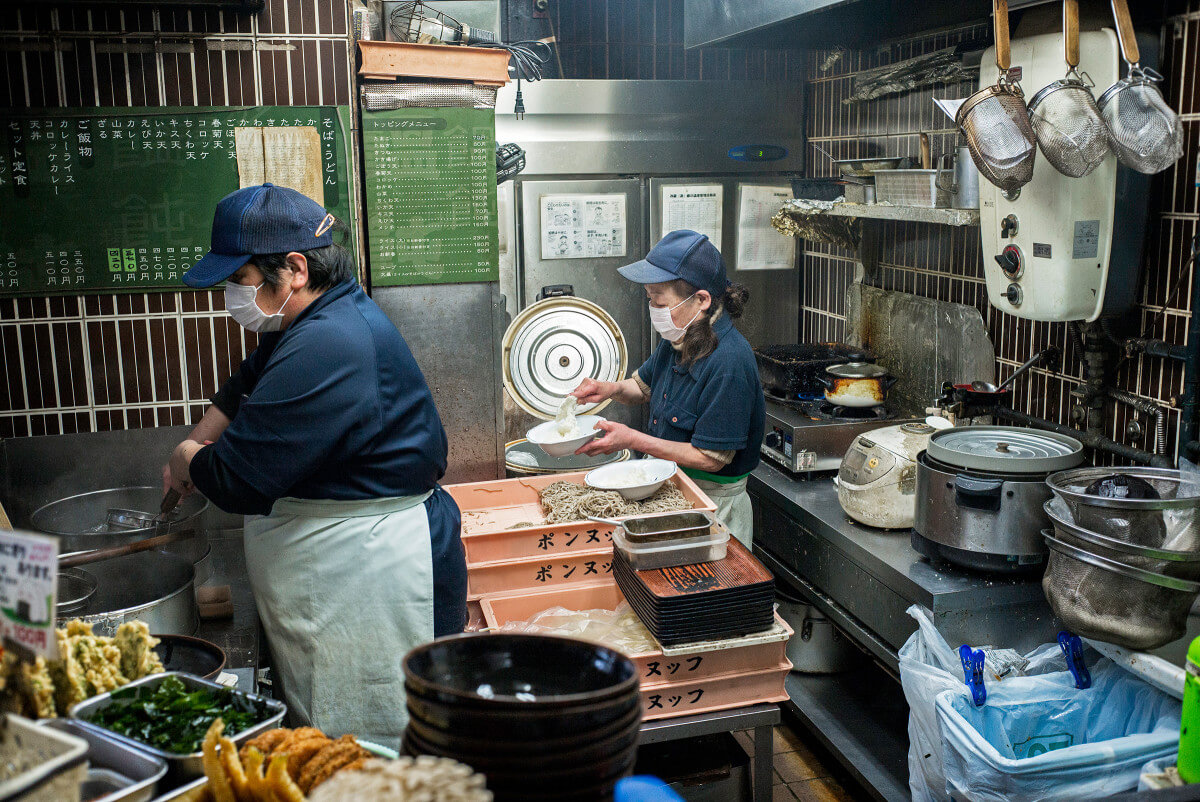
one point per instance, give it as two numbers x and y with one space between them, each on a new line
101 362
947 264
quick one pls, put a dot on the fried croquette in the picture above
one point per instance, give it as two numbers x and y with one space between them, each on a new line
331 759
265 743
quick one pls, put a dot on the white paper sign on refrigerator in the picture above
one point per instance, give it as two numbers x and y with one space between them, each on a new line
696 207
582 226
759 245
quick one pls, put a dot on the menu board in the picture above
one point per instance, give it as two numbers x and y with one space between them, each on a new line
431 196
122 199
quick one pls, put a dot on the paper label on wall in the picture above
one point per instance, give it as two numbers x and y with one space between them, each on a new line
287 156
583 226
693 206
1086 244
759 245
28 592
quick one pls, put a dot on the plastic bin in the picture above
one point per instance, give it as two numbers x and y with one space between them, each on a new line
648 556
722 692
539 572
390 60
758 652
47 765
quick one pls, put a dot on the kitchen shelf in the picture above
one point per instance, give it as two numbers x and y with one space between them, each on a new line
914 214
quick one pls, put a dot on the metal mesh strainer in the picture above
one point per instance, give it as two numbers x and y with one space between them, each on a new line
1070 131
996 122
1099 598
1146 133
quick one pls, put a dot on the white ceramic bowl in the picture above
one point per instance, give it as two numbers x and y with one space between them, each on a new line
616 477
546 438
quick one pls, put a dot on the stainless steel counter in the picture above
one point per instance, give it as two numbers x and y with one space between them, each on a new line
865 578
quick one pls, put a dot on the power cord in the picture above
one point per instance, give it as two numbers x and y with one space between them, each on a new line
528 59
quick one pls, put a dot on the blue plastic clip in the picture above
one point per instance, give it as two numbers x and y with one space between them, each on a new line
1072 649
972 663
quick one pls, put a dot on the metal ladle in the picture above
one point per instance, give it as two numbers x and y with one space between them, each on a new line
988 387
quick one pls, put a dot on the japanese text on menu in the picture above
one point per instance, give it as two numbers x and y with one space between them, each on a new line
431 196
123 199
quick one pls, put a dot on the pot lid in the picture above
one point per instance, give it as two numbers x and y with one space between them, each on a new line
1005 449
555 344
856 370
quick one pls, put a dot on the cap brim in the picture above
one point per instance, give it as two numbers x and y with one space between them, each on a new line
645 273
214 268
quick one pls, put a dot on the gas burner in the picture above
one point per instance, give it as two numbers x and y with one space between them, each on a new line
834 412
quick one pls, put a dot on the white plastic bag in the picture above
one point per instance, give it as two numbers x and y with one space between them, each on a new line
929 667
1040 738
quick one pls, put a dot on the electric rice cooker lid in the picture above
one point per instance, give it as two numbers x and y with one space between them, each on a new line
555 344
1005 449
874 455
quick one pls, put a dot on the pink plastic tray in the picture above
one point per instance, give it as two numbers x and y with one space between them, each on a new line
537 573
490 510
722 692
654 668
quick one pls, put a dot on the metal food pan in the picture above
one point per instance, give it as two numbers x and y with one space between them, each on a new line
668 526
180 768
105 752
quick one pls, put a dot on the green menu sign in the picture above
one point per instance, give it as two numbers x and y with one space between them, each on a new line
431 196
121 199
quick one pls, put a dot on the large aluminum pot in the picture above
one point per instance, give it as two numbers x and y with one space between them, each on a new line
152 586
856 384
93 521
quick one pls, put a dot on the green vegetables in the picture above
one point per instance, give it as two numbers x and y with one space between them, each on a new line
173 718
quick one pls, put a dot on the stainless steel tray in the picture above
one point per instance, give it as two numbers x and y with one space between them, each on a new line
105 752
179 767
183 791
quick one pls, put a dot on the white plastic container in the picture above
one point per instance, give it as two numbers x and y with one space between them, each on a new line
670 553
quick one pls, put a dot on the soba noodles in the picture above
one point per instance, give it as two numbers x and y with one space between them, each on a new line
563 502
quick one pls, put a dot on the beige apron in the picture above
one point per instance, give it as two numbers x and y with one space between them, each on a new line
733 507
344 590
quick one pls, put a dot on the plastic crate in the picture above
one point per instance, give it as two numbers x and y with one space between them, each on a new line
50 766
759 652
722 692
390 60
491 512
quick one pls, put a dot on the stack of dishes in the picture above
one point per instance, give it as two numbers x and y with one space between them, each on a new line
1124 562
726 598
542 717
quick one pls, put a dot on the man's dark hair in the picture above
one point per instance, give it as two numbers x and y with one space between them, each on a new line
327 266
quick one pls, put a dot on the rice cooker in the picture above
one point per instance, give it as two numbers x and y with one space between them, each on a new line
877 483
980 492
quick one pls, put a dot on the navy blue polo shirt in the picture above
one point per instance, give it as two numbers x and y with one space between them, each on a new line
716 403
335 407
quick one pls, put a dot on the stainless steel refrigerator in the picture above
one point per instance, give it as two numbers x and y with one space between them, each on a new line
611 165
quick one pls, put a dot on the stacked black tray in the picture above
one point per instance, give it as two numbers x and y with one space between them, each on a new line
728 598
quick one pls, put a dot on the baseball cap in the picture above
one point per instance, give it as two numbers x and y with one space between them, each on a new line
683 255
260 219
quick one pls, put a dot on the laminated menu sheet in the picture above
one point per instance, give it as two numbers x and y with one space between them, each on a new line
696 207
759 245
582 226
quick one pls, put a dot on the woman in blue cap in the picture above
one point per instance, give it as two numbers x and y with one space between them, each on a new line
328 440
701 382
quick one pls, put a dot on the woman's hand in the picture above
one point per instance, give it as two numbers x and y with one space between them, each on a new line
617 437
591 391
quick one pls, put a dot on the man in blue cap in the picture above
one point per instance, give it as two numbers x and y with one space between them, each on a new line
328 440
701 382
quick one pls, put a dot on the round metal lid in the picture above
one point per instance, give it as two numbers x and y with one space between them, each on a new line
1005 449
857 370
522 455
555 344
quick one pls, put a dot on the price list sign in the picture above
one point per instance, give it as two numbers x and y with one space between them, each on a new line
28 590
431 196
122 199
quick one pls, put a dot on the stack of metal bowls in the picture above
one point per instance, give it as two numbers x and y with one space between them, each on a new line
544 718
1124 561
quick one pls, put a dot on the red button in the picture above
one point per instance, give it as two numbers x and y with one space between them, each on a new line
674 420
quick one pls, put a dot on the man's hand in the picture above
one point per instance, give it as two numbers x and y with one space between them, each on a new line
177 473
591 391
617 436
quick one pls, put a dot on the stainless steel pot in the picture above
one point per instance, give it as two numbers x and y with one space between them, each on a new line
152 586
817 647
856 384
981 492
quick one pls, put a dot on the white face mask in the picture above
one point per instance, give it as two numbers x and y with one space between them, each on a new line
664 324
239 302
